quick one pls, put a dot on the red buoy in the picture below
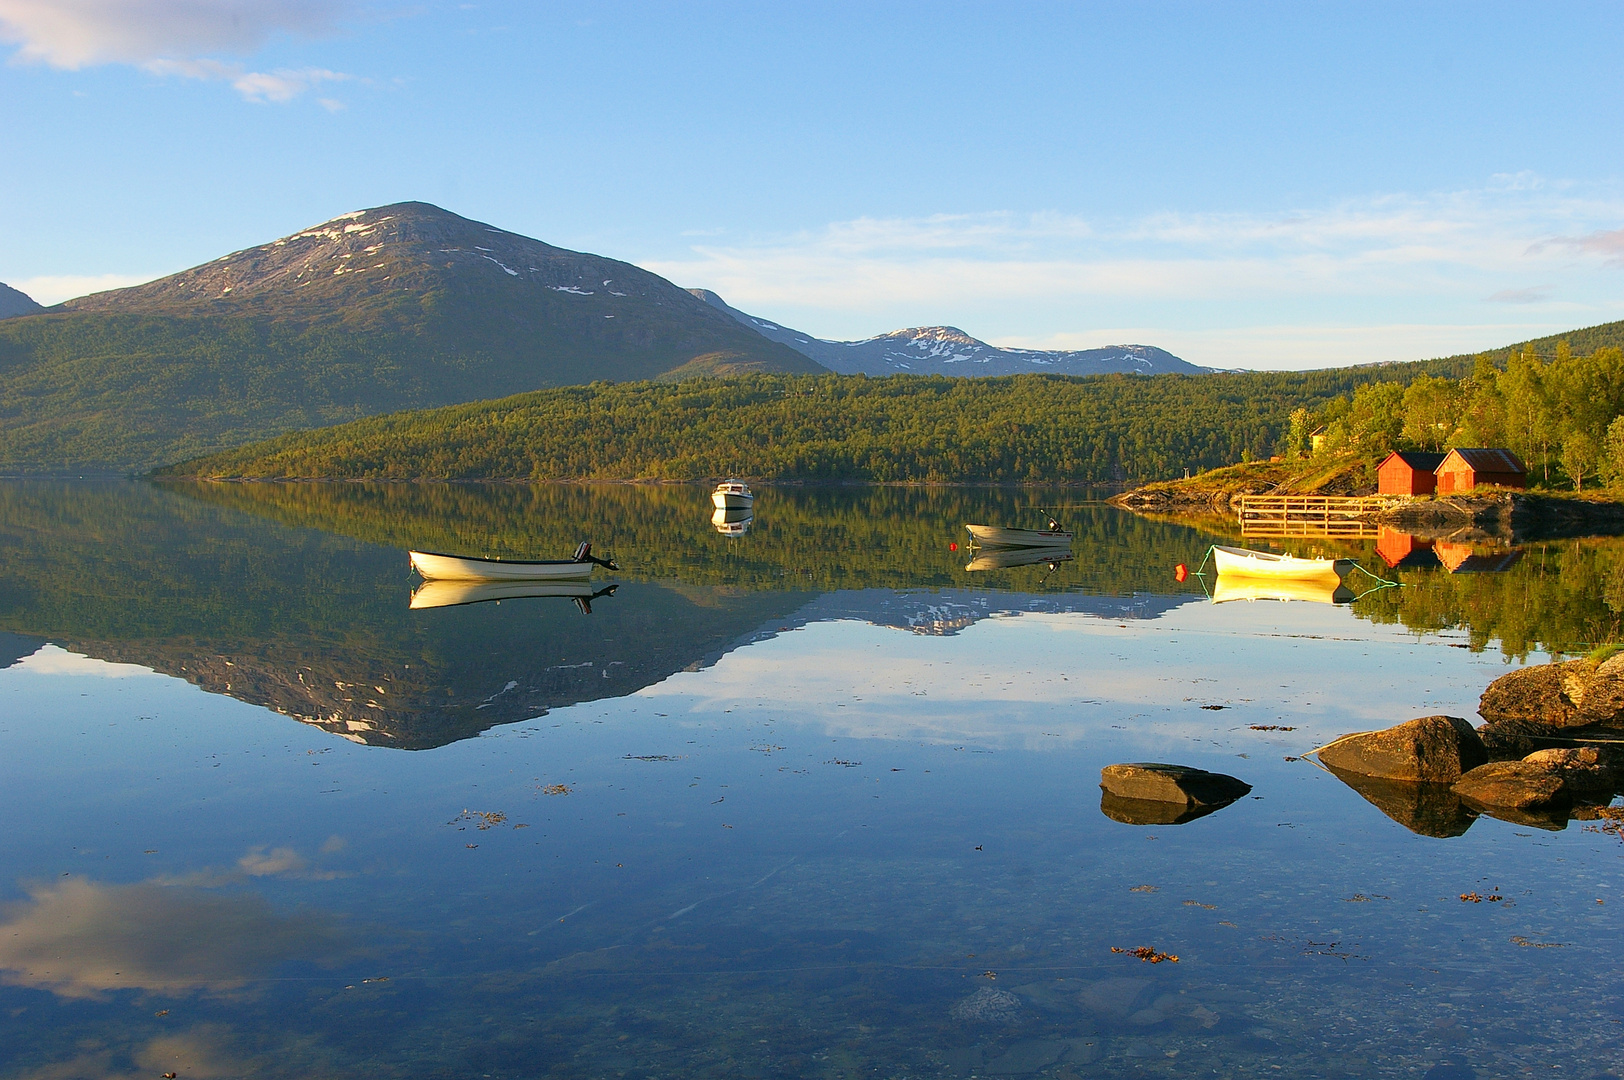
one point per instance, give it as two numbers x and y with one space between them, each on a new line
1180 572
953 547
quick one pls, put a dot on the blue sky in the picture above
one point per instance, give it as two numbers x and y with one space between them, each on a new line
1260 185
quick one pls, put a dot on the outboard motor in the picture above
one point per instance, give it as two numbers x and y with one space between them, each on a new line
584 552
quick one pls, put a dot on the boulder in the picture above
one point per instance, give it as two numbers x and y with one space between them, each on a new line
1588 770
1179 785
1426 809
1569 694
1524 786
1432 749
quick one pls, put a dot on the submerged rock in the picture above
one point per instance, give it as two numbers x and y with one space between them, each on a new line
988 1005
1431 749
1116 999
1179 785
1427 809
1569 694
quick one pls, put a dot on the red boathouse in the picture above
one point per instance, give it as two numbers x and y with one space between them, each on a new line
1466 468
1408 472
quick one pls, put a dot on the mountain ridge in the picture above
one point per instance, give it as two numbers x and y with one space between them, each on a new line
947 350
15 302
394 307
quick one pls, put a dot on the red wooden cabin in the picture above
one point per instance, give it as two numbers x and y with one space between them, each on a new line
1408 472
1466 468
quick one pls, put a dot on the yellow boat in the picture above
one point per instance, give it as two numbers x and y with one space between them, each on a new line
1244 562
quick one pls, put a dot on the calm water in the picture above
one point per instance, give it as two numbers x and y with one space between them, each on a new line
810 801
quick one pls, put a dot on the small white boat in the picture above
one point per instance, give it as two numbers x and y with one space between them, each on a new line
732 495
732 522
1244 562
451 593
999 536
435 566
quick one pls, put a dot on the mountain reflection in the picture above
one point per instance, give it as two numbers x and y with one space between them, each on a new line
297 597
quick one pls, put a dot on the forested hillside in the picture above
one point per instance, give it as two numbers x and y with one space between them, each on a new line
399 307
1563 416
1015 429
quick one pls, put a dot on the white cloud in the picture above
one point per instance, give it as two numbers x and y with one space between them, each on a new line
172 37
1409 275
53 289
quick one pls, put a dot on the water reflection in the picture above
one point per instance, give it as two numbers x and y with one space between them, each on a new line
81 938
449 593
734 521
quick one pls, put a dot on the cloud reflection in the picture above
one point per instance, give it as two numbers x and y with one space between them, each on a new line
81 938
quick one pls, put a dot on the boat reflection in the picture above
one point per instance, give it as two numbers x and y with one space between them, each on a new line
1004 558
1316 590
733 521
439 594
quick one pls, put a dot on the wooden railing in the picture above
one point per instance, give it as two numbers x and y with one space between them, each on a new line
1312 515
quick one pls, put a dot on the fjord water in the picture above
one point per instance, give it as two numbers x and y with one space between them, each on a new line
810 801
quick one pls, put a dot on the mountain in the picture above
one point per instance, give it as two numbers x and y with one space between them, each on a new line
14 302
396 307
946 350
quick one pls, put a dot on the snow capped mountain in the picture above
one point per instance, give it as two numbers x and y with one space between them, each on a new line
947 350
15 302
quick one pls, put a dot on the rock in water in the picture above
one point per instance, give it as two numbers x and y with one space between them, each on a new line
1527 786
988 1006
1574 693
1588 770
1177 784
1432 749
1427 809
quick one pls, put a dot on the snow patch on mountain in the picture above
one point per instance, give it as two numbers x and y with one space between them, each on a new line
947 350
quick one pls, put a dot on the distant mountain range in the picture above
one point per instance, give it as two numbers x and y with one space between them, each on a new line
397 307
15 302
947 350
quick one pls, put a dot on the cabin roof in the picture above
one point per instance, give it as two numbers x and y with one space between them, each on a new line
1489 459
1419 460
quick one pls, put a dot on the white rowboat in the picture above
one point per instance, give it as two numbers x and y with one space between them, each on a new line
436 567
1244 562
999 536
732 495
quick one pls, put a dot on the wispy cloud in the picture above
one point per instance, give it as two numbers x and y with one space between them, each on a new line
1372 269
53 289
173 37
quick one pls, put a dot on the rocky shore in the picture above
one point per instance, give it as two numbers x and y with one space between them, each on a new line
1548 752
1509 516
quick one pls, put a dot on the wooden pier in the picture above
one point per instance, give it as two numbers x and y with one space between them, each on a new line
1312 515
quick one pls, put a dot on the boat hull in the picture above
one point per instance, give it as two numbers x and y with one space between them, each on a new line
999 536
730 500
1243 562
437 567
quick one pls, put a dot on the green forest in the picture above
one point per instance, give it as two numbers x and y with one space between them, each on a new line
902 429
1562 413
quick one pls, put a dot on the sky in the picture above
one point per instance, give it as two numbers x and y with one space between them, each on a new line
1244 184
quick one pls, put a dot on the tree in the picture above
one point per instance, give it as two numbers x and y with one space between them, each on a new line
1432 411
1297 434
1612 453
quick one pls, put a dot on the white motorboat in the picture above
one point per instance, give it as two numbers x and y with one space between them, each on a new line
732 495
1000 536
1244 562
436 566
